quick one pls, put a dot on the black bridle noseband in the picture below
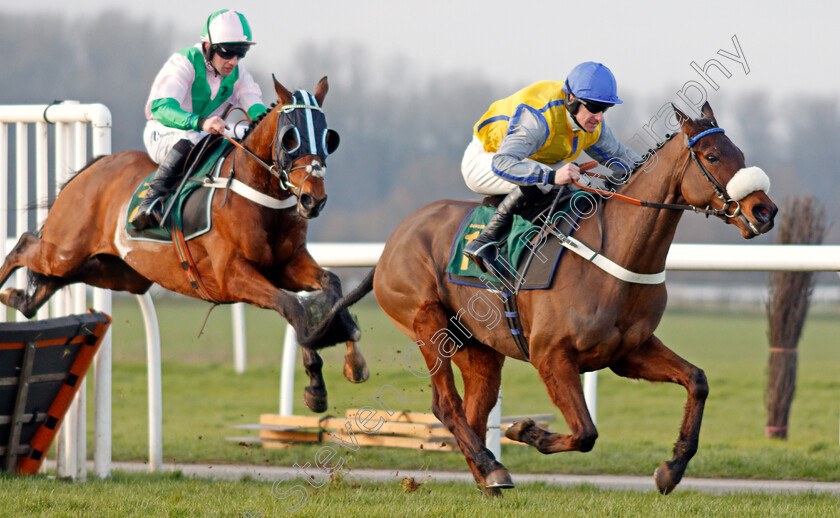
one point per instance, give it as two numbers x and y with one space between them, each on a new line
289 145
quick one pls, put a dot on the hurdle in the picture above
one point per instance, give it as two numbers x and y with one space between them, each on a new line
71 121
42 365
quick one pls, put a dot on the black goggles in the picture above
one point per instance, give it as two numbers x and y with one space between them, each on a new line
231 51
594 107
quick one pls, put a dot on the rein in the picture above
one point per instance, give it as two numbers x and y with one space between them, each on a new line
282 175
719 190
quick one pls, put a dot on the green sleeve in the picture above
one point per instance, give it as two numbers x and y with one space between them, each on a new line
168 112
256 110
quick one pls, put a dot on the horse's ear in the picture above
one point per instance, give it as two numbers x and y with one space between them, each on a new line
682 118
321 90
283 95
706 110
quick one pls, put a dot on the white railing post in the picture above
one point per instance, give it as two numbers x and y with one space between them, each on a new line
493 437
4 204
102 381
154 382
590 394
240 355
287 371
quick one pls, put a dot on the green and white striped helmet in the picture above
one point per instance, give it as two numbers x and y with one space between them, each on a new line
226 26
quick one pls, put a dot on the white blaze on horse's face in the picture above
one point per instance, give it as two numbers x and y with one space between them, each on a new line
747 181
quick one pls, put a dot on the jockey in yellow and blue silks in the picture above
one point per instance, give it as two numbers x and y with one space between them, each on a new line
188 97
520 145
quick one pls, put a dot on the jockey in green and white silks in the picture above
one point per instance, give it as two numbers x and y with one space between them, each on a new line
522 144
188 97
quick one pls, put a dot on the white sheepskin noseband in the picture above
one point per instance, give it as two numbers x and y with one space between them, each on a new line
746 181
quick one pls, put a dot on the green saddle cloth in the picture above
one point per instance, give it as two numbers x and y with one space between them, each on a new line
472 226
162 233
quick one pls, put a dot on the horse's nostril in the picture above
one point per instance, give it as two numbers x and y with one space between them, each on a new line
763 213
307 201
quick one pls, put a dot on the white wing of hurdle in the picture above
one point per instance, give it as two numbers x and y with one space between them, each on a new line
70 153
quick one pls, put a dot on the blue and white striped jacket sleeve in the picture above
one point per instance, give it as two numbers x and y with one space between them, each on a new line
527 133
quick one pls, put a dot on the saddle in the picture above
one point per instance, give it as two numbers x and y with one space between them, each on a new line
530 263
190 206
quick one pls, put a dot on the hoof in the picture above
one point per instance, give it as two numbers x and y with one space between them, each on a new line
665 479
9 295
355 372
314 402
498 479
516 431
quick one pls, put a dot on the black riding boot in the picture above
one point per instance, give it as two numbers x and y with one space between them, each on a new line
150 212
483 249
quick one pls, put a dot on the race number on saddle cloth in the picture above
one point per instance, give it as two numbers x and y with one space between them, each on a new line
536 273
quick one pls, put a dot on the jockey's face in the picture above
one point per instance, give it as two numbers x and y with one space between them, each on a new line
224 67
586 119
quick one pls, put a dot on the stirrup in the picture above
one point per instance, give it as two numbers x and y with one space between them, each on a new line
478 256
148 217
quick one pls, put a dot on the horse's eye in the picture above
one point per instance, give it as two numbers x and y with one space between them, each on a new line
711 158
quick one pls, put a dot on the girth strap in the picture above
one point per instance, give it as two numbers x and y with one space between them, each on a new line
515 324
187 262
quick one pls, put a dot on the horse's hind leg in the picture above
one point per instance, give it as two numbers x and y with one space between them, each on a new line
481 368
17 257
446 403
562 380
29 303
27 248
655 362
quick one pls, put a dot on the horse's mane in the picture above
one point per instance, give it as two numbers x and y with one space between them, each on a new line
259 119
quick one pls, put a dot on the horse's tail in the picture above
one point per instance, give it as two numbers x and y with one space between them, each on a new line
358 292
340 305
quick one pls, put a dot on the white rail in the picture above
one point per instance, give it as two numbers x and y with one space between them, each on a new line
698 257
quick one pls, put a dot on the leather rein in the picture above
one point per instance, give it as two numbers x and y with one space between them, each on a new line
720 191
282 175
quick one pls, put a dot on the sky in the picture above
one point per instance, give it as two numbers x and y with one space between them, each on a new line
782 48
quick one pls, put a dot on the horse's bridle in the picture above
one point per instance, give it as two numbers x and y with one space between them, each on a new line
278 170
720 191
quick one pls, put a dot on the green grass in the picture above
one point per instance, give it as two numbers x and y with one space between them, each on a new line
638 422
175 495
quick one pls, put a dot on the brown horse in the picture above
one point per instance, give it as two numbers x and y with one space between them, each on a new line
255 253
587 320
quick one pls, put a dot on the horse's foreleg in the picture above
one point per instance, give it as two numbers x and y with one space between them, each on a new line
481 369
243 283
655 362
446 403
315 395
302 273
562 380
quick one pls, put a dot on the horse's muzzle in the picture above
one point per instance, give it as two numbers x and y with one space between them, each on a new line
309 207
764 216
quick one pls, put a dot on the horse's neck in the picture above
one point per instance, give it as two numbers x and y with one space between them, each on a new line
638 238
258 142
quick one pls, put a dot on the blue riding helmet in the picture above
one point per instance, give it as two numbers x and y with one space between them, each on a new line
594 82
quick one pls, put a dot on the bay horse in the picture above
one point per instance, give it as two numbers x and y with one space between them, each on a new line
587 320
255 252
